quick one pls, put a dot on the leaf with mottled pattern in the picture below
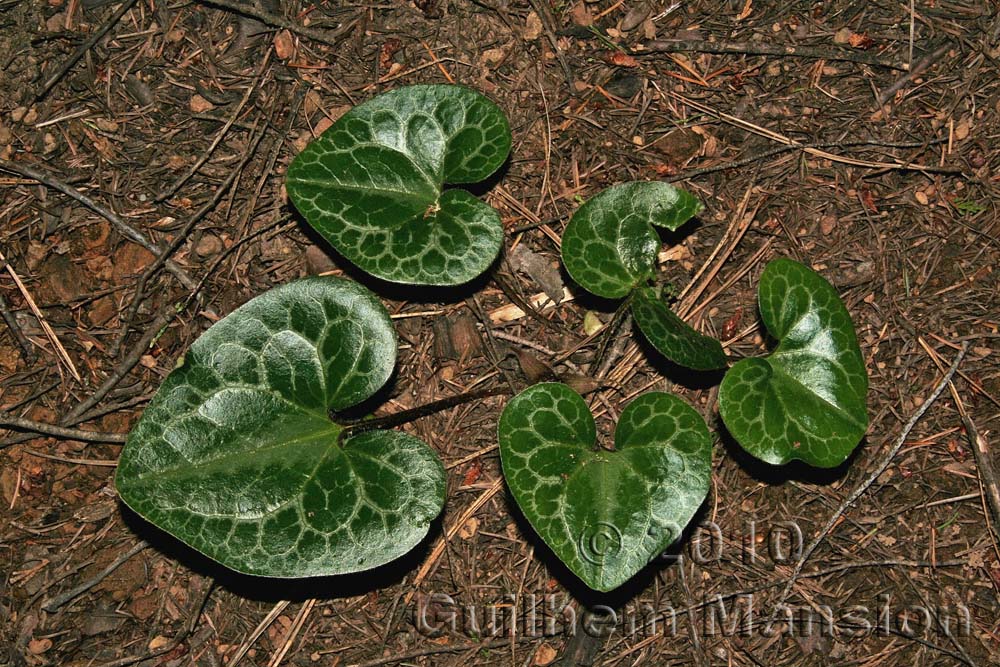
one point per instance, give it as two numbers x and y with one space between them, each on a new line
605 514
609 246
807 400
671 336
373 184
236 454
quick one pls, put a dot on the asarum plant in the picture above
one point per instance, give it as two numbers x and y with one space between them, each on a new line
242 454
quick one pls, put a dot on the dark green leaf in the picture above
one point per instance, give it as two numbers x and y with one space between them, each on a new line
236 454
372 184
605 514
609 246
671 336
807 400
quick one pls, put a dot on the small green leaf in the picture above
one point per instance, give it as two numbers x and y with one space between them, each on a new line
237 457
373 184
807 400
671 336
605 514
609 246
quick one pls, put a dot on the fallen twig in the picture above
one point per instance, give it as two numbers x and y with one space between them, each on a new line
879 469
123 227
22 424
914 72
763 49
188 628
15 330
83 48
46 327
816 152
57 601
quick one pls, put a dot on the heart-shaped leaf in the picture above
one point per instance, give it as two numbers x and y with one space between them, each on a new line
605 514
372 184
609 246
671 336
236 454
807 400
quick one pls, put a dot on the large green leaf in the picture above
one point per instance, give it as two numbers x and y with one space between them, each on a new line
372 184
236 454
671 336
807 400
605 514
609 246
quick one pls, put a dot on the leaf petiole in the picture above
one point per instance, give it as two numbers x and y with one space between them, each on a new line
352 428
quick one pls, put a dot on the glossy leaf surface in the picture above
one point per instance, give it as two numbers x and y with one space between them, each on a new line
237 457
807 400
609 246
373 184
605 514
671 336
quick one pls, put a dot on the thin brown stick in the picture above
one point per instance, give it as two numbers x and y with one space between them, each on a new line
914 72
816 152
10 421
763 49
55 602
984 465
879 469
46 327
15 329
200 162
123 227
188 628
83 48
980 451
179 240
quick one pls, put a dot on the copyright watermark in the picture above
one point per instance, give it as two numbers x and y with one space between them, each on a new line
600 544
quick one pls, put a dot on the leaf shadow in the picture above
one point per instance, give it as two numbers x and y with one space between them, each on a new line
272 589
397 291
776 475
675 237
688 378
484 186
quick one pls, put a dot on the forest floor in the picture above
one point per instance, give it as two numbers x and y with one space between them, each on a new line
180 122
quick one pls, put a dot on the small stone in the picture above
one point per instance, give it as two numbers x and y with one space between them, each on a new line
843 36
106 125
284 45
493 57
157 642
31 116
209 245
827 224
962 128
39 646
921 197
532 27
199 104
18 114
545 655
